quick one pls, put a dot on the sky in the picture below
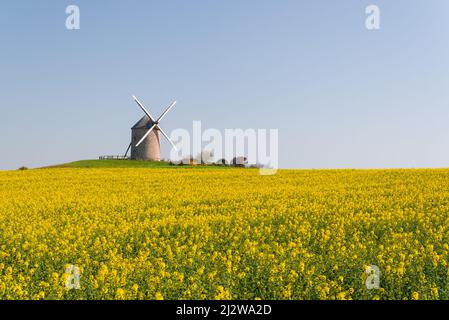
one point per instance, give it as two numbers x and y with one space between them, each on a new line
340 95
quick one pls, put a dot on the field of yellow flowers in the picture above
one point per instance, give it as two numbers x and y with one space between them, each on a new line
223 234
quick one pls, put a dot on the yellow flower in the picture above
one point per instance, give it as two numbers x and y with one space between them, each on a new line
192 234
200 270
341 296
159 296
435 292
222 294
40 295
120 294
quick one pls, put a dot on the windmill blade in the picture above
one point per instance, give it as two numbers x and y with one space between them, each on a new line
166 136
126 153
146 135
165 112
143 108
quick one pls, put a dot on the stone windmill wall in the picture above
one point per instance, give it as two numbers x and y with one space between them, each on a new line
150 148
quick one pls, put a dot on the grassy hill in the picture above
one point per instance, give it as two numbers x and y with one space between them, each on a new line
112 164
124 164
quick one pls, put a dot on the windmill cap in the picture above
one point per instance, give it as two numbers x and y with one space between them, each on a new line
144 123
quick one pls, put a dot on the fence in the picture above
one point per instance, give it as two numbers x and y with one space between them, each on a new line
113 158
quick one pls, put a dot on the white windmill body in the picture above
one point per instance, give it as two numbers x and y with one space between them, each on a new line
145 136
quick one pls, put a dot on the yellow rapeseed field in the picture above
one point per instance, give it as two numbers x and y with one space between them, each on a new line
223 234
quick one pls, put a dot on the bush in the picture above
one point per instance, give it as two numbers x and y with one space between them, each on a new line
23 168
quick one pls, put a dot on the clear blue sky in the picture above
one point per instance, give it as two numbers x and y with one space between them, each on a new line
340 95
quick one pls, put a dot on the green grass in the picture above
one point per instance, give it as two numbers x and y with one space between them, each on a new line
125 164
112 164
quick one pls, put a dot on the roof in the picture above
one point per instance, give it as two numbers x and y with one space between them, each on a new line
144 122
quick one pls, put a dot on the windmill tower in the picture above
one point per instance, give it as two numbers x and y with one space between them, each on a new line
145 136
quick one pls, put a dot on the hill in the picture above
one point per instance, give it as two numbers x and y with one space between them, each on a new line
112 164
125 164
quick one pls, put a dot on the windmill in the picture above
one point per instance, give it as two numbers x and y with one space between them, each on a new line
145 136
